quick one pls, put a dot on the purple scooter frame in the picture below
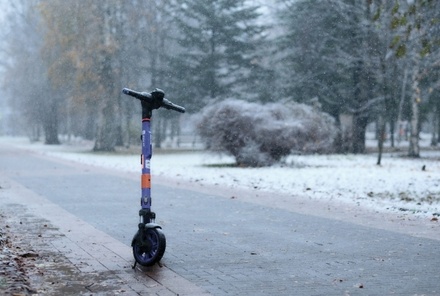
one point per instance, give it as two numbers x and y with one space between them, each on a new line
149 242
145 162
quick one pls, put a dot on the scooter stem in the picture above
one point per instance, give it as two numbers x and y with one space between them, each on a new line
145 163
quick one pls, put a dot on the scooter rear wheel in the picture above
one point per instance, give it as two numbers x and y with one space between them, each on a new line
151 248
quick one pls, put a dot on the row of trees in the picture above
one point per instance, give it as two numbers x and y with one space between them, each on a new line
376 60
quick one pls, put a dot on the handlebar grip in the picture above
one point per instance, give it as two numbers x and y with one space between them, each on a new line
168 105
138 95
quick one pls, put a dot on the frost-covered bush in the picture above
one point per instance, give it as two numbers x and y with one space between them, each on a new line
260 135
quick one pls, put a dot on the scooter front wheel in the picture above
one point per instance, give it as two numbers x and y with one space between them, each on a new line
149 249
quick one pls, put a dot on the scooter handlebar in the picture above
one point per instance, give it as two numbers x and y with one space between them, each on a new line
149 98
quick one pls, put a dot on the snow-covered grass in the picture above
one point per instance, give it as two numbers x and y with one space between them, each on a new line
399 184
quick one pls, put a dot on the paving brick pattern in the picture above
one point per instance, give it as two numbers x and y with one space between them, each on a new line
229 247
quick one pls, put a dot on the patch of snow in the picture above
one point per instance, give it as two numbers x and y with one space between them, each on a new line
399 184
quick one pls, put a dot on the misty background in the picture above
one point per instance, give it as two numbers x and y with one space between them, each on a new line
372 63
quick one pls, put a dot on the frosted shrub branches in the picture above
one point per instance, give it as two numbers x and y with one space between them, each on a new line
261 135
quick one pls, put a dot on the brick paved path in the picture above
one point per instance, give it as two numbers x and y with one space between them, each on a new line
228 246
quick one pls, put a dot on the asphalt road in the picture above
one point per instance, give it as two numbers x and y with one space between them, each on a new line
230 247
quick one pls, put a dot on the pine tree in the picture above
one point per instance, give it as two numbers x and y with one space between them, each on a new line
335 51
219 57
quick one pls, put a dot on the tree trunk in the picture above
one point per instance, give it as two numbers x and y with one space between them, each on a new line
361 95
50 123
414 149
106 131
437 114
438 125
381 138
51 130
108 120
392 132
402 100
89 132
434 139
360 123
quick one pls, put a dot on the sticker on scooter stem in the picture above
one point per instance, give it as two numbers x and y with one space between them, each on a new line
146 181
145 163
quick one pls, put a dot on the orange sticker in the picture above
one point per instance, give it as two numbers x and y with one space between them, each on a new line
146 181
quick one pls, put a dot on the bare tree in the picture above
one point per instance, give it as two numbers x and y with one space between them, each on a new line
27 78
416 42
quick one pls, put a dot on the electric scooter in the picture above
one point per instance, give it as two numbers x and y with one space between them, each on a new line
149 242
